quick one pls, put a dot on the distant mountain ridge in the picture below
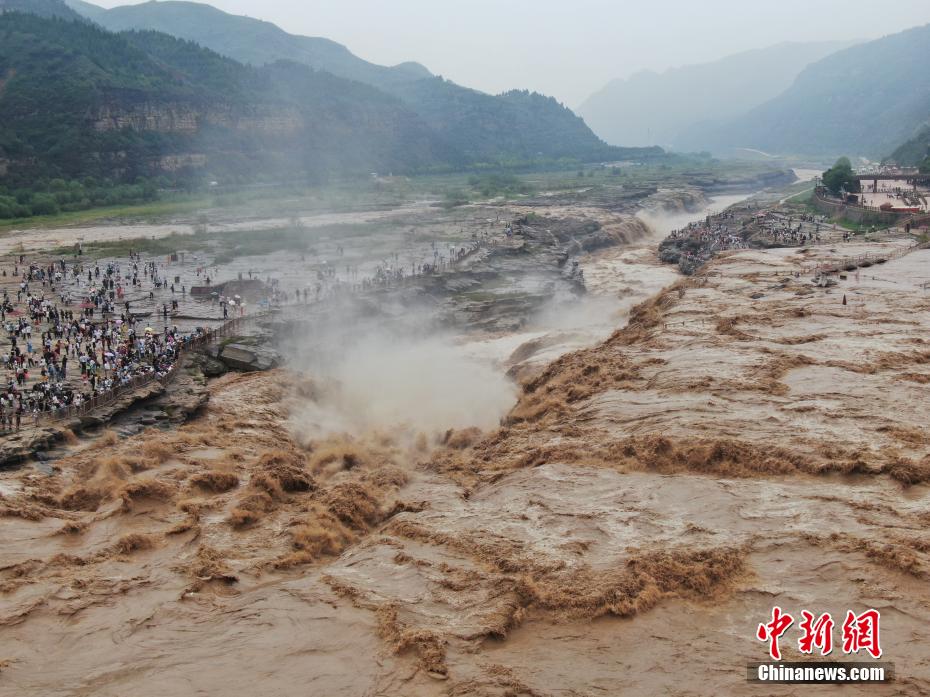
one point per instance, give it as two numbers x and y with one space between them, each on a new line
513 128
77 101
246 40
42 8
862 101
652 108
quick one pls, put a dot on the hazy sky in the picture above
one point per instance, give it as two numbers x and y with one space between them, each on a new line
570 48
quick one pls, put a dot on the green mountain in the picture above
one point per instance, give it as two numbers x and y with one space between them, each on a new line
43 8
246 40
864 100
915 151
85 9
650 107
78 101
515 127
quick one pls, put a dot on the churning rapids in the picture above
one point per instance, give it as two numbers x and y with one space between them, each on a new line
606 500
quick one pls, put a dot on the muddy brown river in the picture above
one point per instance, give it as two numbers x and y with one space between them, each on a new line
681 455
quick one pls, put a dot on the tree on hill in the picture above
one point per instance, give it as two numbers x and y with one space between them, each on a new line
840 177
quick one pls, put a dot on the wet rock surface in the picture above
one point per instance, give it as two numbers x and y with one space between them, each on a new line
210 366
244 357
20 446
494 289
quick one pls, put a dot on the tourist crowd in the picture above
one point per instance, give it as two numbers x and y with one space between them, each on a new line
50 342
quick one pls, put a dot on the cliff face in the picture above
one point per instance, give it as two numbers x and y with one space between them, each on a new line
160 118
174 163
188 119
171 136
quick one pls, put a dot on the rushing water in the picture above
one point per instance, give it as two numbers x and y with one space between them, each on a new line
663 224
616 279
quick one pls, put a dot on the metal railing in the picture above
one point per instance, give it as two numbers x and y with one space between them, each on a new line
228 328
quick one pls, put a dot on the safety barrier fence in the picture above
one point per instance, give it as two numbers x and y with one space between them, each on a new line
228 328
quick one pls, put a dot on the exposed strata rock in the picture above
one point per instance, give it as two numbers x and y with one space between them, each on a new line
23 444
173 163
190 119
675 201
184 395
494 288
175 118
187 392
208 365
761 180
102 415
249 358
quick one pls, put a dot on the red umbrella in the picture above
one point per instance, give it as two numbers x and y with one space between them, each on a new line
87 305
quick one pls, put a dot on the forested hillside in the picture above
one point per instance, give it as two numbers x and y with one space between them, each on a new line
864 100
77 101
91 117
42 8
915 151
246 40
515 127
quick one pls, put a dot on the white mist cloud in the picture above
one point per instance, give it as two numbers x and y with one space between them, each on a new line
386 382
